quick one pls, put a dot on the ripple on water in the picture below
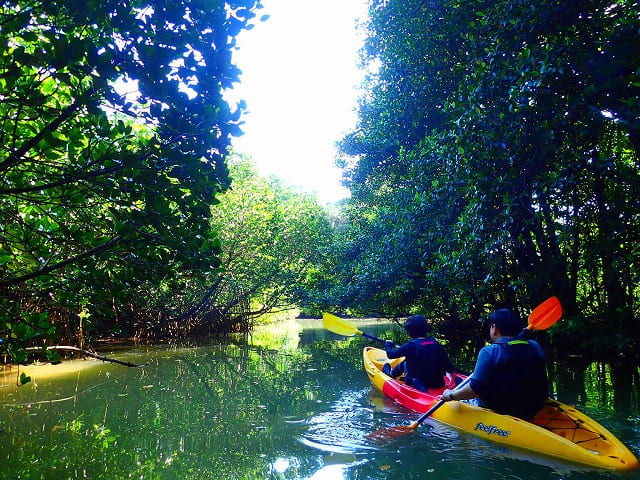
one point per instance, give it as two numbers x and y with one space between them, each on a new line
343 428
442 443
343 434
457 447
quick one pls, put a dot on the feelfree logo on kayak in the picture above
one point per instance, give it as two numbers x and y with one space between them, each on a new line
492 429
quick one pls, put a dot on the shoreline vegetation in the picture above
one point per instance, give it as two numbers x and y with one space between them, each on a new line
494 162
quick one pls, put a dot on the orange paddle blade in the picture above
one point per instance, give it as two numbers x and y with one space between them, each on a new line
387 434
545 314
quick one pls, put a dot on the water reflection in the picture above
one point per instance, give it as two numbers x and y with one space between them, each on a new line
287 403
330 472
343 428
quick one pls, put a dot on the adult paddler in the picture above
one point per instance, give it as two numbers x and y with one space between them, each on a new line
510 375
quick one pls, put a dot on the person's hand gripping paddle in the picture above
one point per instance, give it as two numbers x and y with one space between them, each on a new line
542 317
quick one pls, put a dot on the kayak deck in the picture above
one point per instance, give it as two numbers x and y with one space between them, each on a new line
558 430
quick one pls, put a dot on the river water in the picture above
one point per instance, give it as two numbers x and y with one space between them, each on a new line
290 402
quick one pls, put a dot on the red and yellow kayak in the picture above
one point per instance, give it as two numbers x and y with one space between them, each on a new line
558 430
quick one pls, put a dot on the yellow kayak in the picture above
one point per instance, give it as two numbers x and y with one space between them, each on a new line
558 430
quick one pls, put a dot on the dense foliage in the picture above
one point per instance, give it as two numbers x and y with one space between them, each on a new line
495 162
272 239
104 195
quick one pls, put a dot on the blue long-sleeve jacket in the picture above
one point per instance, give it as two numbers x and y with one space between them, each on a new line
426 361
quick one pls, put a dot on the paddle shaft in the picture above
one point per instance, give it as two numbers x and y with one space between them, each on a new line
429 412
342 326
371 337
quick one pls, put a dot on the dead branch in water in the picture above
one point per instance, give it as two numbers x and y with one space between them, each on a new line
87 353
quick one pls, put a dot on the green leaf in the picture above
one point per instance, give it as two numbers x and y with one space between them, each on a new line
24 379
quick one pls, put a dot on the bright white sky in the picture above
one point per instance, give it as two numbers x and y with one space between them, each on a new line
300 80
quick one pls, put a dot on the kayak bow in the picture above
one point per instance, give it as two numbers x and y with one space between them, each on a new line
558 430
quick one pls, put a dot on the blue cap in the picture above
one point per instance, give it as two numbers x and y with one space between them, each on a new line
507 321
416 326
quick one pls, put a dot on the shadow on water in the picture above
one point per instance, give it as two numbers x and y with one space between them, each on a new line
293 402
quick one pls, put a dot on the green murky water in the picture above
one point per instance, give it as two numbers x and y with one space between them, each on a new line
292 402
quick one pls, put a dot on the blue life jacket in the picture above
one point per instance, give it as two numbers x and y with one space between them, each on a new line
519 386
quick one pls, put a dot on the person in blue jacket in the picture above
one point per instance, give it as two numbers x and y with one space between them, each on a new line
510 375
426 362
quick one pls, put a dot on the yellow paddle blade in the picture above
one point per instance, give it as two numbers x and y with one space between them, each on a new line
545 314
339 326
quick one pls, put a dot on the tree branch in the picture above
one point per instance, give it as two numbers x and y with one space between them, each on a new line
87 353
43 271
16 155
